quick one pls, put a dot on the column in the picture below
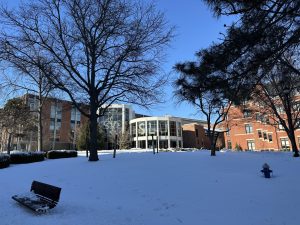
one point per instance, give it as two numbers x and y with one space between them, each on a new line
168 129
146 135
157 134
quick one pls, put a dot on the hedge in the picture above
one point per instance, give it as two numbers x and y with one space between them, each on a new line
57 154
4 160
17 157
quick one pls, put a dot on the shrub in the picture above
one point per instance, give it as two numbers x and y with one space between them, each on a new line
57 154
4 160
17 157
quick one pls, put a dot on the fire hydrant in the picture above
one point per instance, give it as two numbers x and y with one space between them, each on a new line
266 170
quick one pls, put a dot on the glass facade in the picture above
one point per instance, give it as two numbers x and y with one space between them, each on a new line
179 129
163 128
112 121
152 128
55 116
75 117
173 128
133 129
156 132
141 128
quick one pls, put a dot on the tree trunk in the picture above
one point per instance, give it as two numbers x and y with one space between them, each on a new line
93 132
293 143
9 143
40 130
40 119
212 145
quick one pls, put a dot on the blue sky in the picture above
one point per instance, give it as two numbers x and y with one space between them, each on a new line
196 28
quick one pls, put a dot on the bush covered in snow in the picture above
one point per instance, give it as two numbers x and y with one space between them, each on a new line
57 154
17 157
4 160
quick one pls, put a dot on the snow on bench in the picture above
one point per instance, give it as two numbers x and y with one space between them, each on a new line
41 197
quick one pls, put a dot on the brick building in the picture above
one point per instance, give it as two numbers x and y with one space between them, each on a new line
61 122
195 136
250 129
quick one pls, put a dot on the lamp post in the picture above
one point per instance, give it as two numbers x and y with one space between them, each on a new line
153 144
157 144
115 146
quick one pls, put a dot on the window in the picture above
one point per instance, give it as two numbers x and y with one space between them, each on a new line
163 128
280 127
179 129
55 116
142 144
141 129
257 117
247 113
229 145
173 144
265 136
173 128
163 144
259 133
126 114
248 128
133 129
152 129
270 137
152 144
285 145
179 144
279 109
251 145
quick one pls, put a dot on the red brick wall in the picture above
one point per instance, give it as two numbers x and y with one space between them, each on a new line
238 136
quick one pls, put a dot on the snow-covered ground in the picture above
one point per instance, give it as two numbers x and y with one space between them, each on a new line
168 188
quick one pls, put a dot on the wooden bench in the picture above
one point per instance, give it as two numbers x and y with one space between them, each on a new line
41 197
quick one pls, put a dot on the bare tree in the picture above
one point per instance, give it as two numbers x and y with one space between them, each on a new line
278 94
15 121
97 51
32 80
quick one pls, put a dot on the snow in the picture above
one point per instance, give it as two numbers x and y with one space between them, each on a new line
168 188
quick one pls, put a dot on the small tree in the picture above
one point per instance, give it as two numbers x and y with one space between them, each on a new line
83 140
124 140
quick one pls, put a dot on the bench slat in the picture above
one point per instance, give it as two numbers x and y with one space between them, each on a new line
41 198
46 190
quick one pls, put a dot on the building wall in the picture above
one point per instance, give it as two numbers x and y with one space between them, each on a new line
115 121
63 137
261 124
194 136
166 132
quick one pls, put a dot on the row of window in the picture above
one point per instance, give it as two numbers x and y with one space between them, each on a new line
139 128
284 142
56 117
265 135
153 144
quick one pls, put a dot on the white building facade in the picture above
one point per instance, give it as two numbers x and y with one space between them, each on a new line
115 121
162 132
